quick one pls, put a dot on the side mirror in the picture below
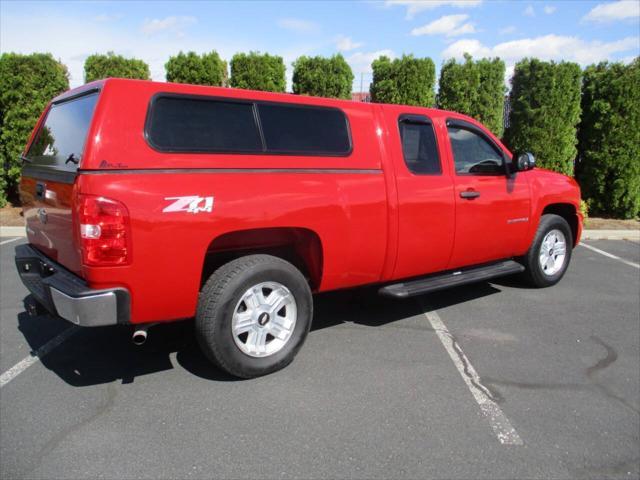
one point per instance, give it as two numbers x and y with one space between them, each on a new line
524 161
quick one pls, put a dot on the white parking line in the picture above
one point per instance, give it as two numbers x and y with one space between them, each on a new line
10 240
25 363
500 424
610 255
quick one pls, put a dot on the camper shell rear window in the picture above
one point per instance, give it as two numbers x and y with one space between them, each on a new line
59 143
199 124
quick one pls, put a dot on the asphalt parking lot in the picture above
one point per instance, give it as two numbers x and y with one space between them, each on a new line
376 392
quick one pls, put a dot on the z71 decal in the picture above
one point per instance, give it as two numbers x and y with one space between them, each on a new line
191 204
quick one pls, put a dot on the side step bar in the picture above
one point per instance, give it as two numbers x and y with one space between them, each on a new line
440 281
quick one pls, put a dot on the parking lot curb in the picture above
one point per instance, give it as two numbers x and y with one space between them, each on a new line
611 235
12 231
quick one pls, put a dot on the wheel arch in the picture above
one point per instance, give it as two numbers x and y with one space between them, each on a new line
301 247
568 212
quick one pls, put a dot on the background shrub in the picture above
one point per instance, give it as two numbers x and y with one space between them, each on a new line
99 66
545 111
584 209
476 89
404 81
27 83
257 71
490 108
205 69
458 86
322 77
609 170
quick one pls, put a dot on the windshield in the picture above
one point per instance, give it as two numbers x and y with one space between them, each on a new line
60 141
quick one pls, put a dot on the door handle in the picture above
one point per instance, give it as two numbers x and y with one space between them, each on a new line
469 194
40 190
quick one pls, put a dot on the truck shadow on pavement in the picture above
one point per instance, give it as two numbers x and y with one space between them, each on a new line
99 355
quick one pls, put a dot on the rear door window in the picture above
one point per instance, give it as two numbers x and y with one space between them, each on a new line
305 130
59 143
188 124
419 146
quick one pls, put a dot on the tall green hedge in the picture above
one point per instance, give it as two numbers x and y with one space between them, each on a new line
545 111
322 77
609 170
476 89
458 86
205 69
27 83
257 71
404 81
100 66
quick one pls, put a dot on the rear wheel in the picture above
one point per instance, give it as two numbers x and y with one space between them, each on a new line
253 315
550 253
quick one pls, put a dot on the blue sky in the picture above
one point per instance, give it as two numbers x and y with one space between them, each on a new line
581 31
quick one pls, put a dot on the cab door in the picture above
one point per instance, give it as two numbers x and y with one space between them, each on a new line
492 207
424 189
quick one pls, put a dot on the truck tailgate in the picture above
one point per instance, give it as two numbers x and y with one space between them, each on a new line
47 207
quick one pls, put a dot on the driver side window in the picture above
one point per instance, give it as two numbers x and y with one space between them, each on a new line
473 155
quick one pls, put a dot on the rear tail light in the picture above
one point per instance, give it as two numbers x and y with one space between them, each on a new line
105 235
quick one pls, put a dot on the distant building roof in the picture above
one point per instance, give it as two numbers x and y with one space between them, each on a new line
361 96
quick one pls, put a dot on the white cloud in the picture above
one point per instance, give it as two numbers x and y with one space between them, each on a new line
507 30
361 61
471 46
548 9
298 25
610 12
168 24
344 44
416 6
529 11
547 47
448 25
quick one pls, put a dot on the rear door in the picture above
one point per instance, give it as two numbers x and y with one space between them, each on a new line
492 209
49 170
425 192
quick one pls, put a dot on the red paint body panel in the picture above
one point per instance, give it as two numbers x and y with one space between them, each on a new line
169 249
494 225
54 238
426 207
549 188
375 220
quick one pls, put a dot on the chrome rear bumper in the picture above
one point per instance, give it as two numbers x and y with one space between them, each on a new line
68 296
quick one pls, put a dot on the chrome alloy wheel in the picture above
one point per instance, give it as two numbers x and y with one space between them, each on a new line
553 252
264 319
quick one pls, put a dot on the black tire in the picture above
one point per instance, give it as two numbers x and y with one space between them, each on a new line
534 273
219 298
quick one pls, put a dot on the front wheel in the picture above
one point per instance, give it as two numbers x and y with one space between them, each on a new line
253 315
550 253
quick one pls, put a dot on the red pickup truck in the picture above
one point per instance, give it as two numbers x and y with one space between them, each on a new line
153 202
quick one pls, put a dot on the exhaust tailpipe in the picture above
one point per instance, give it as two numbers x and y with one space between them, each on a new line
139 336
